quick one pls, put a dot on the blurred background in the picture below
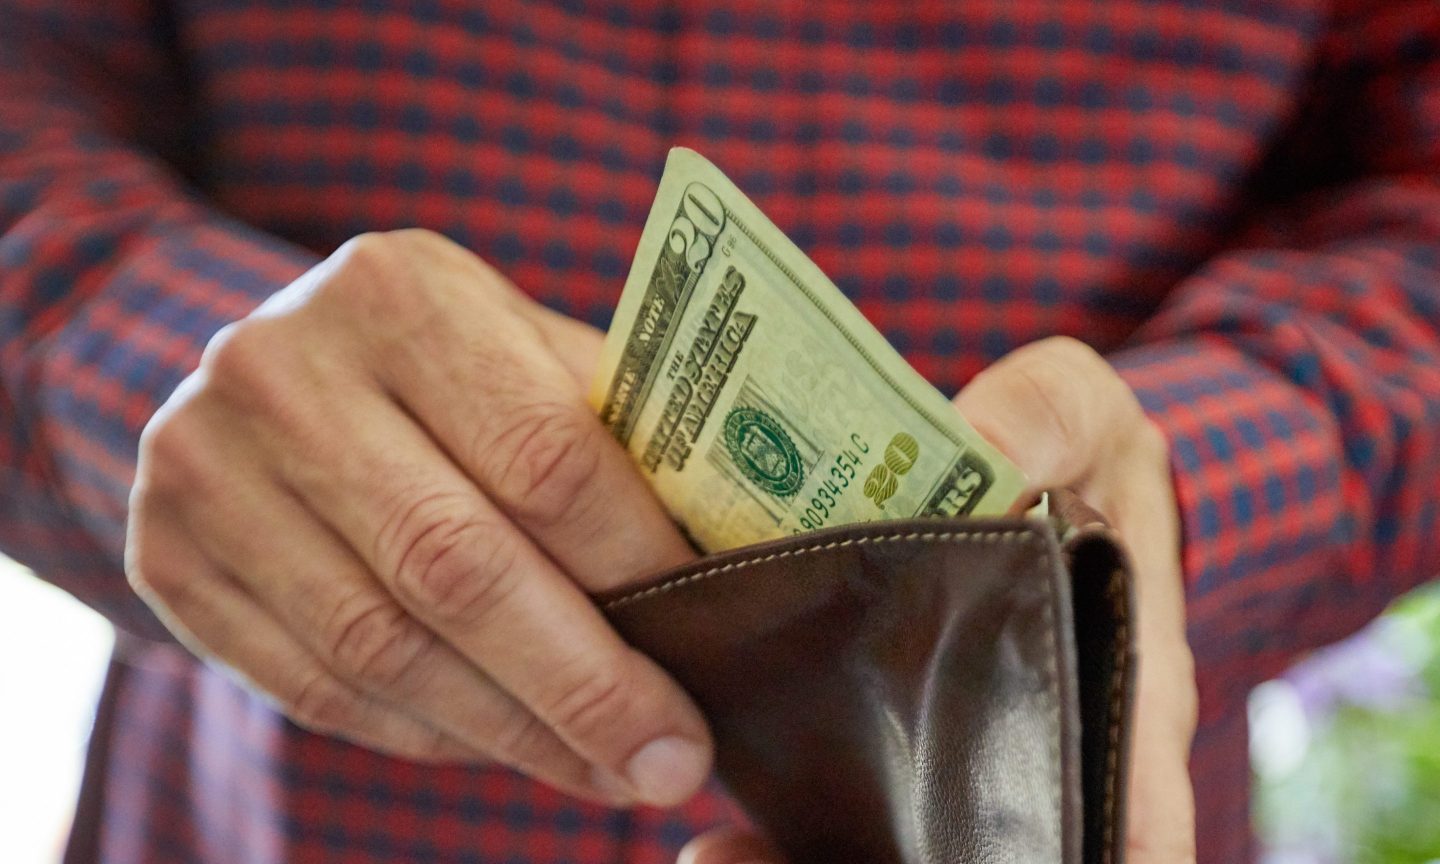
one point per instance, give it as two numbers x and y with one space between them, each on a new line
52 660
1346 746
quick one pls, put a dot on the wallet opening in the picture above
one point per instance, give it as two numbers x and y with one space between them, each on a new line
1105 659
911 692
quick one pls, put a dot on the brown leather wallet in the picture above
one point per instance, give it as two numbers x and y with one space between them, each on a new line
913 692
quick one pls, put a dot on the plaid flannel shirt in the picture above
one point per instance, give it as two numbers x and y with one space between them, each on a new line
1236 200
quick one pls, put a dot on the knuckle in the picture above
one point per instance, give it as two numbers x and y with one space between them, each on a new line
1082 364
175 457
367 270
452 567
150 582
440 249
1048 383
321 704
389 253
140 578
145 568
251 370
248 365
430 746
242 352
421 238
375 278
150 568
376 644
593 705
545 458
520 738
1072 392
1067 349
370 252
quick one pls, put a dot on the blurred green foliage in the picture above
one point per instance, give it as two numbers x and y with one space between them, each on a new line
1347 746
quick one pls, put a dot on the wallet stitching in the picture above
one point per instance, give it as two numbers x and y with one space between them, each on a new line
1008 536
1117 683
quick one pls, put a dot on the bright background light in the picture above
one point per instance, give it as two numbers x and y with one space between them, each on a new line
53 652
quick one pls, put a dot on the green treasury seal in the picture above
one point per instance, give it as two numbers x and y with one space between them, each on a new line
763 451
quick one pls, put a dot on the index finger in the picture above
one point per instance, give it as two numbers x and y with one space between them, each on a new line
500 392
460 567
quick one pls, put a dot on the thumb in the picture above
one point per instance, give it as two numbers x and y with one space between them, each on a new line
1050 407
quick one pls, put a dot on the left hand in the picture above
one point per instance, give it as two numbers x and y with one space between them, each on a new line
1064 416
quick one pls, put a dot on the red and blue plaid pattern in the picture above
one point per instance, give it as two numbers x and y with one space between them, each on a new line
1236 200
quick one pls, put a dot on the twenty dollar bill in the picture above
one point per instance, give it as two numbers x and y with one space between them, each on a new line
757 400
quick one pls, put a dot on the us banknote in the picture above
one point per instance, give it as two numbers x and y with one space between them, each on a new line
755 397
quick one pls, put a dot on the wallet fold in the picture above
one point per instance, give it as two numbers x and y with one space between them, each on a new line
911 692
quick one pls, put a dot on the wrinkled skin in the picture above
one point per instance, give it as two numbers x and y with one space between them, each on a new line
382 499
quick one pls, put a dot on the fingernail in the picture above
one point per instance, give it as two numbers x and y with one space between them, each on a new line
667 771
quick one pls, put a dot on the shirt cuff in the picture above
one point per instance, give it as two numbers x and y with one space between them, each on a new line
1256 462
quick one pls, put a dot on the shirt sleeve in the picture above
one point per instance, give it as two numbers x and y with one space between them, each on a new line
112 279
1297 375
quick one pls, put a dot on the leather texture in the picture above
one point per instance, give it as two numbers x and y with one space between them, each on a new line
912 692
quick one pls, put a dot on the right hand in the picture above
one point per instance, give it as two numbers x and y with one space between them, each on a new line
382 500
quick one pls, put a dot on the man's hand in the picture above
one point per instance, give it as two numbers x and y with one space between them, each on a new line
1061 413
382 499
